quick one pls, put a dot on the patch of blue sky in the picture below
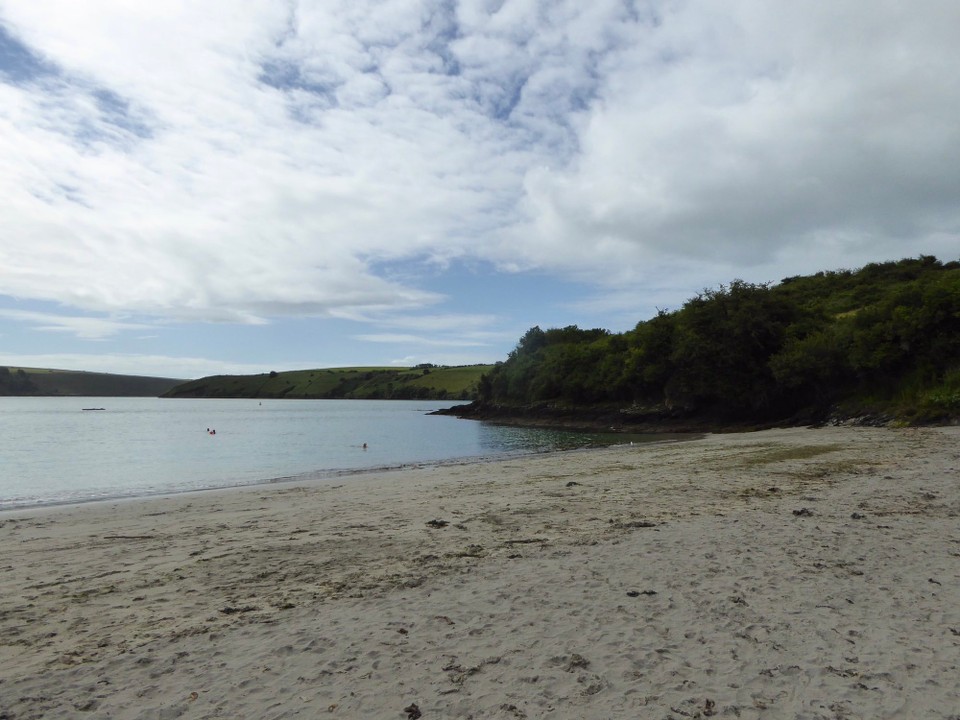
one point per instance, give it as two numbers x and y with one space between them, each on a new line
502 104
117 130
41 328
443 29
115 121
20 65
33 326
283 343
515 301
307 96
53 192
284 74
117 111
72 193
581 98
289 343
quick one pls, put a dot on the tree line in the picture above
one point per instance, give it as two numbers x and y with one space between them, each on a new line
16 382
885 337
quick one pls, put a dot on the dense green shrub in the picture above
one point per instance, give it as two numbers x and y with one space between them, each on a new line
889 330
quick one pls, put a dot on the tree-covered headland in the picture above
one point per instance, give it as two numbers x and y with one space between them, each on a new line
884 339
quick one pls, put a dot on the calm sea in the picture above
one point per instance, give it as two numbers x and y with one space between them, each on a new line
53 451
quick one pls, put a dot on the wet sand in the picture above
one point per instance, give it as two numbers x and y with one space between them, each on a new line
785 573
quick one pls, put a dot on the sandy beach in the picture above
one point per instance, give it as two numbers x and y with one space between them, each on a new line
800 573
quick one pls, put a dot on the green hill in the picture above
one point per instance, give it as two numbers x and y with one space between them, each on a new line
883 341
368 383
43 382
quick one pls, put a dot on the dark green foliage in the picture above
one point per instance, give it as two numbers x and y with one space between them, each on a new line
888 333
648 367
810 367
16 383
722 349
568 362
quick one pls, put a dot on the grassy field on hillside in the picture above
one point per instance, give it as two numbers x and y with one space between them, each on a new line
367 383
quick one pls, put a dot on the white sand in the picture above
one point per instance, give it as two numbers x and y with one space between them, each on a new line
544 597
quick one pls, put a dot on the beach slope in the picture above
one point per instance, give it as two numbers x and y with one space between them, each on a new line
786 573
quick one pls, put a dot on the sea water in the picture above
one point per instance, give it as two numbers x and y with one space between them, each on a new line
64 450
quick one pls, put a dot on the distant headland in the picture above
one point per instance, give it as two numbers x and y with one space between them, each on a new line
423 382
42 382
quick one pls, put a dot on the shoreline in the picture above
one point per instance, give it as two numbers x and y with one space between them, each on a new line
307 478
320 476
804 572
657 420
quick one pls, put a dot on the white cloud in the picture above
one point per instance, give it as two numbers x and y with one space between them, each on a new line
225 162
418 340
89 328
460 322
739 133
444 358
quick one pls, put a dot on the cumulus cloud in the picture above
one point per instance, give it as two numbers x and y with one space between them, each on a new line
225 162
396 338
742 132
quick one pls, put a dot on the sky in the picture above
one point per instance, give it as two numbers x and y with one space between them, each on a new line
240 186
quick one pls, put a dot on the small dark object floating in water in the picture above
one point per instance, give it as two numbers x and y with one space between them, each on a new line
86 409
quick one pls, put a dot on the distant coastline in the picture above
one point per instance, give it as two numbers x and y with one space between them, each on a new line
43 382
422 382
